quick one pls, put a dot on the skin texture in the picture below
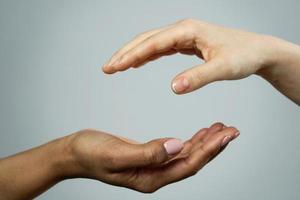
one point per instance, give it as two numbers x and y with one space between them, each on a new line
144 167
228 54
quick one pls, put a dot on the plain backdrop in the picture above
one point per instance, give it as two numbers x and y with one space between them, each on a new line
51 85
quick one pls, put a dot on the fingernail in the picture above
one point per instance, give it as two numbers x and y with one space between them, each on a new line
173 146
180 85
226 140
236 134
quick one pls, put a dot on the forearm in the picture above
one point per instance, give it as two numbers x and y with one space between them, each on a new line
283 68
28 174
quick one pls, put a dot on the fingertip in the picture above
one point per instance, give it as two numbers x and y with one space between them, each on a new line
221 138
230 134
108 69
104 70
237 134
173 146
180 85
231 129
226 140
173 88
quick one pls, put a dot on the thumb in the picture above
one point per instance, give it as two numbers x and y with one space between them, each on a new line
199 76
156 151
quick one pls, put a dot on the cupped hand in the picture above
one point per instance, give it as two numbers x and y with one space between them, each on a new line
228 53
144 167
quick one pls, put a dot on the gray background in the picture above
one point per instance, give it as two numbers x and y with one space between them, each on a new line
51 85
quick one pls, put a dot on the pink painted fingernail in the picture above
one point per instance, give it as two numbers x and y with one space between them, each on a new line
180 85
236 134
173 146
226 140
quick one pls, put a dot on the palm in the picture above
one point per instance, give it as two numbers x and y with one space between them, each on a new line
124 162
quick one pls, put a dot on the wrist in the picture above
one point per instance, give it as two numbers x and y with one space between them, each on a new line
278 54
63 165
29 173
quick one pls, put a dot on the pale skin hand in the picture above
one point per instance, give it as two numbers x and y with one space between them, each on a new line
228 54
110 159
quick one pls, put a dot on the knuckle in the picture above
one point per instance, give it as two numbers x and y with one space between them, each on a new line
150 155
218 124
154 154
208 152
189 24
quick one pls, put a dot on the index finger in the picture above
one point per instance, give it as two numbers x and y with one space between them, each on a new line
131 44
159 43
